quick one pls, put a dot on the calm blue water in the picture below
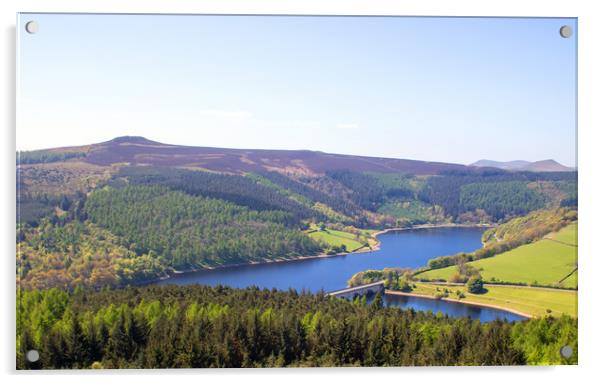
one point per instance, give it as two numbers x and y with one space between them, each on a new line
398 249
484 314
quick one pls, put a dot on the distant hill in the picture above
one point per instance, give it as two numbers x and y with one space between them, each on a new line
141 151
519 165
508 165
152 208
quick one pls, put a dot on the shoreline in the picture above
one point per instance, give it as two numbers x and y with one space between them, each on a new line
265 262
435 226
361 250
442 283
430 226
478 304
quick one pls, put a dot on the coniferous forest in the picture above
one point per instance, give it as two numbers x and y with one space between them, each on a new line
193 231
196 326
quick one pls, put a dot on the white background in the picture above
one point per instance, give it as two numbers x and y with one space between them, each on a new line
590 103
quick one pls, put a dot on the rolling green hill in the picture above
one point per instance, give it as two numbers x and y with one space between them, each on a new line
545 262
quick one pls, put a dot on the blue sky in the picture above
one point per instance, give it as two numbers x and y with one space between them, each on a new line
437 89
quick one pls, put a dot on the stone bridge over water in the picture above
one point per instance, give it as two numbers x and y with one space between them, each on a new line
352 292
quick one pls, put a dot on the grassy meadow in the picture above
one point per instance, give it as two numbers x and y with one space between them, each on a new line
529 300
544 262
336 238
567 235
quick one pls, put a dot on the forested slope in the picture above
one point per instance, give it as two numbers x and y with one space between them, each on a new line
195 326
239 190
79 254
187 231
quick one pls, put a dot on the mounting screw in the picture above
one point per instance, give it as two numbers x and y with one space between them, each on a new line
566 31
32 27
32 356
566 351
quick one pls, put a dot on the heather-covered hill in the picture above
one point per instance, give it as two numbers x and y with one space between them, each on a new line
141 151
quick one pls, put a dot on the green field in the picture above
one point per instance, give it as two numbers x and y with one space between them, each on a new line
336 238
567 235
544 262
571 280
528 300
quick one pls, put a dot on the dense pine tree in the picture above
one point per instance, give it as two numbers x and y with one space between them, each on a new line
196 326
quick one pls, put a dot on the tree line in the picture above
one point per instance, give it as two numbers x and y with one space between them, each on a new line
45 156
198 326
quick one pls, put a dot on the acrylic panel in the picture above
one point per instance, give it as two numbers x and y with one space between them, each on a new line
204 191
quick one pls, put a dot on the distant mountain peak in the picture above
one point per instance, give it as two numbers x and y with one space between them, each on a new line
548 161
508 165
132 140
548 165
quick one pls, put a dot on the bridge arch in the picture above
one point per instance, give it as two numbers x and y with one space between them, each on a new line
352 292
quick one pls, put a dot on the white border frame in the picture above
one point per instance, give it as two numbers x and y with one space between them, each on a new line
590 122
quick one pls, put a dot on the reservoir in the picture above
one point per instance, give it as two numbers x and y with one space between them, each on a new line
452 309
408 248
